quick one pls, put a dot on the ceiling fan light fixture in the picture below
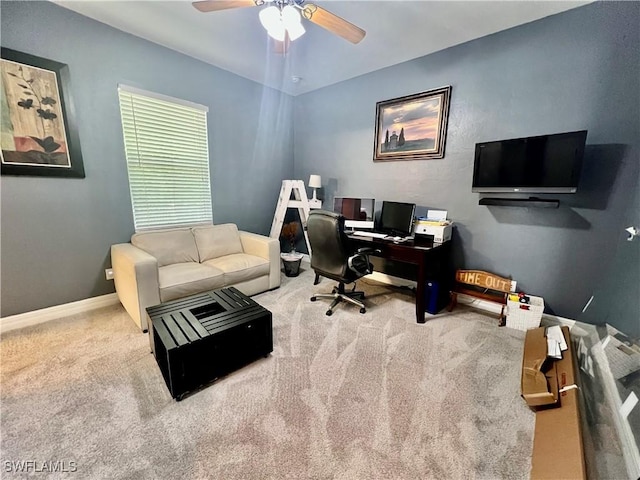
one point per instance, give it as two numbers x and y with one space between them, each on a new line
278 23
270 18
292 22
295 32
277 33
290 16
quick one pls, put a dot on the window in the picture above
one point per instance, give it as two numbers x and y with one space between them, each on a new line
167 152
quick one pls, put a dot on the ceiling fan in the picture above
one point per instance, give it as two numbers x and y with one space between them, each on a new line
282 18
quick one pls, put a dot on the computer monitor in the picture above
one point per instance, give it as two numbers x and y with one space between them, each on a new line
396 218
358 212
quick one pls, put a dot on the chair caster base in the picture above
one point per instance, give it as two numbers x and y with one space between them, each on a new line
363 310
313 299
329 313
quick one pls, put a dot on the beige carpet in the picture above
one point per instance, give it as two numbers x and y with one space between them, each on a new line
351 396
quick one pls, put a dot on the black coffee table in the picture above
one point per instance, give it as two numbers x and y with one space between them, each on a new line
200 338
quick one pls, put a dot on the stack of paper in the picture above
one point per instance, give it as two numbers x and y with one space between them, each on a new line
437 218
556 343
436 215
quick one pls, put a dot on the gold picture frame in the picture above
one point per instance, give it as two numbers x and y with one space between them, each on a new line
413 127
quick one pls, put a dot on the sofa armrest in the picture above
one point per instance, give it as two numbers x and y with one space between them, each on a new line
135 273
267 248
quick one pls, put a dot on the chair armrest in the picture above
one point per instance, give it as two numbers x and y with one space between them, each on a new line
359 261
135 274
264 247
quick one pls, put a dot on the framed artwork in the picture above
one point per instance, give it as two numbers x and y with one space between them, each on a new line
412 127
39 134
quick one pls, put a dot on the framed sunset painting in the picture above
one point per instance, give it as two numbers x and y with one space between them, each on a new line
413 127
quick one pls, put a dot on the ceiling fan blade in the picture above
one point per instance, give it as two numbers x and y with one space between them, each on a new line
333 23
214 5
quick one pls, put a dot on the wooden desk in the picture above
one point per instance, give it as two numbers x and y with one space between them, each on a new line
432 261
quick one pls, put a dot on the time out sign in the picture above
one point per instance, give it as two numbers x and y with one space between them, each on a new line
484 280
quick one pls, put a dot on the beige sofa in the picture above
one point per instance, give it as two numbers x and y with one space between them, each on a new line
163 265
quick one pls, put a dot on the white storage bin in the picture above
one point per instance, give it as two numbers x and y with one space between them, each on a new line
525 316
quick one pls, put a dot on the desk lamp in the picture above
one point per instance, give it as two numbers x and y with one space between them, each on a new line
315 181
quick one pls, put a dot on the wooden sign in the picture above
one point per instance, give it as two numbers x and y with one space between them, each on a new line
483 280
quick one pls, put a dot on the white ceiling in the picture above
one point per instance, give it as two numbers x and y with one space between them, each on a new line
397 31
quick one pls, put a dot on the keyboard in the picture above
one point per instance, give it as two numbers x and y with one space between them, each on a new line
361 233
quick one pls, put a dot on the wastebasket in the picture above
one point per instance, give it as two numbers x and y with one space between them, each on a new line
291 262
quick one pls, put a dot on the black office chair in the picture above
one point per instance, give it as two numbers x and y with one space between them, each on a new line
333 257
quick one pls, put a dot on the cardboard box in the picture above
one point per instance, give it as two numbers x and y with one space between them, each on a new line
558 452
539 378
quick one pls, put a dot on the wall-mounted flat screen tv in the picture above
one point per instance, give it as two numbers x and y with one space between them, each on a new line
542 164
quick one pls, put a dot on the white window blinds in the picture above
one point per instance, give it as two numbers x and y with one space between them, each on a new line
167 153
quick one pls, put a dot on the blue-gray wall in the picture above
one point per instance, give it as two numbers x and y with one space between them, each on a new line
579 69
56 232
576 70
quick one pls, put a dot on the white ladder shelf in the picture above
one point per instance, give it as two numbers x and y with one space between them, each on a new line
299 201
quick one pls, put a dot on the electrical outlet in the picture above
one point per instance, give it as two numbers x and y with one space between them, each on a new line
108 273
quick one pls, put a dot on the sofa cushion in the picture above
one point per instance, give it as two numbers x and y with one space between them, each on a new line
182 279
176 245
215 241
239 267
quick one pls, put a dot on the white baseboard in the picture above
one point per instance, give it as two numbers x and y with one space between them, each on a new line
462 298
490 307
479 303
46 314
548 320
52 313
390 280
